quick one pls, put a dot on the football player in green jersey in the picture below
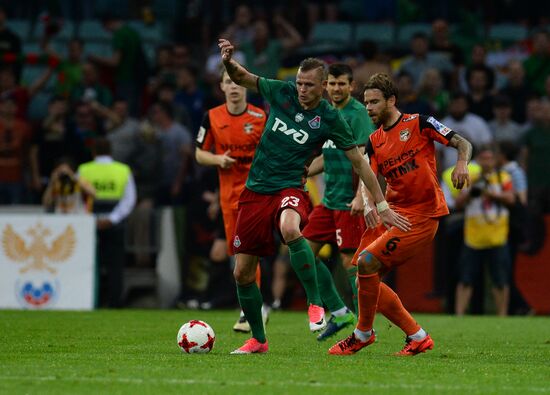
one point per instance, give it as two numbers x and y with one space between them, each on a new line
299 123
338 220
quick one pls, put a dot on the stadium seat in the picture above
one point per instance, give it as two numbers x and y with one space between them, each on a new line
102 48
152 33
38 107
67 31
407 31
332 32
20 27
31 73
92 30
380 33
507 33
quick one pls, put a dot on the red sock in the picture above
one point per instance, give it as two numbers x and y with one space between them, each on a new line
367 293
390 305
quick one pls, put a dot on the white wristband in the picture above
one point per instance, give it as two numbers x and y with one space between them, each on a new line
382 206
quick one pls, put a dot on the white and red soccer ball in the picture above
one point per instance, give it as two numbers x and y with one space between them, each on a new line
196 336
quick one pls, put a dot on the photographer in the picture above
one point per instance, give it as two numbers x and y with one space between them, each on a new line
486 227
66 193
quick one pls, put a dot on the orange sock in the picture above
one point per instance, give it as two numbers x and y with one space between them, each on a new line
391 307
258 275
367 293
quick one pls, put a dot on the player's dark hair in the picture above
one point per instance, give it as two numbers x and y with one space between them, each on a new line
309 64
338 69
383 83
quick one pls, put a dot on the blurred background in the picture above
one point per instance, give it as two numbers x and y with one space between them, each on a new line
73 73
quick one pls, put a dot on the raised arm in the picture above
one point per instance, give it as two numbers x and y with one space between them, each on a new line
238 74
460 175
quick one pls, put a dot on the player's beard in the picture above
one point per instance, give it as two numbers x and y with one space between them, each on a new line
383 116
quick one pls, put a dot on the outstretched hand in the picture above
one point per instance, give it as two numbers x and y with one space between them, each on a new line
391 218
226 49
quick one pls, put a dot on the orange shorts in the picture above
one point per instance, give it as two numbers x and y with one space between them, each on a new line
394 247
229 222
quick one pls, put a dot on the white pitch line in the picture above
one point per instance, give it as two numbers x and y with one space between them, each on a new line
368 385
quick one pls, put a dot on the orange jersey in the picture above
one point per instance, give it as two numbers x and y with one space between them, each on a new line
405 155
221 132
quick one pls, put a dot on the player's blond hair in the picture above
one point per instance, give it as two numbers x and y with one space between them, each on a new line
383 83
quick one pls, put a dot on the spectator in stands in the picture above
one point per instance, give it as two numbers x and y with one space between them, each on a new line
441 42
371 64
190 96
69 71
480 99
90 89
176 142
517 90
115 198
478 58
486 230
469 125
519 218
15 138
241 29
67 193
10 42
163 70
21 95
502 125
121 128
53 140
128 61
421 59
536 150
537 65
263 54
86 129
432 91
409 102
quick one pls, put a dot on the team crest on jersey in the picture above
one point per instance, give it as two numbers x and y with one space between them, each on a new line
410 118
248 128
404 135
236 242
299 117
315 123
441 129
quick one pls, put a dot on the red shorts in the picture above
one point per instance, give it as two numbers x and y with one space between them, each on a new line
336 227
259 216
229 221
393 247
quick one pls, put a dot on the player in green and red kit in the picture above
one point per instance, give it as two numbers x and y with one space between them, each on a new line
338 220
299 123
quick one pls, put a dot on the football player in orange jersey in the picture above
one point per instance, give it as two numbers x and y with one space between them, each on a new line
227 139
402 150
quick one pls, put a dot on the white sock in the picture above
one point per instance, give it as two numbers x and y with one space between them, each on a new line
340 312
421 334
242 314
362 335
265 309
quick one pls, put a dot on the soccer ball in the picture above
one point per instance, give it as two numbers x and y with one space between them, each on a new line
196 337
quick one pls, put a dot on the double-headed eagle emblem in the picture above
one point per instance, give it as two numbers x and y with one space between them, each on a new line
38 252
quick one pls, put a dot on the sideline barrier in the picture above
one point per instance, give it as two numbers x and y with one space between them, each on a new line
47 261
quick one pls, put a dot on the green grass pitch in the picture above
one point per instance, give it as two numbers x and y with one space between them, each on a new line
135 352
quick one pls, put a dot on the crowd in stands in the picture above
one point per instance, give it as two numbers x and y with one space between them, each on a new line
143 80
